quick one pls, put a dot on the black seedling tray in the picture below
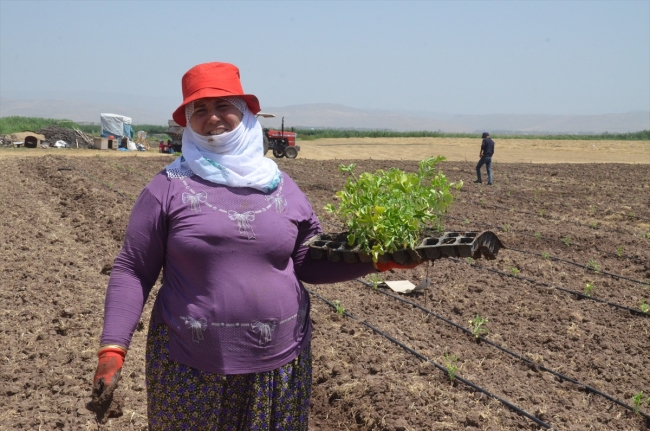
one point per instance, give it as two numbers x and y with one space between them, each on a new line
333 247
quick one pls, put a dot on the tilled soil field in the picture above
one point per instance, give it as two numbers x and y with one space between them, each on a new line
553 356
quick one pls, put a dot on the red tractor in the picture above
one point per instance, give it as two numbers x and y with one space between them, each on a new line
280 142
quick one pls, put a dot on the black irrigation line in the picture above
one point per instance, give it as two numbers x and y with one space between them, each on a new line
570 262
547 217
543 238
438 366
562 289
533 364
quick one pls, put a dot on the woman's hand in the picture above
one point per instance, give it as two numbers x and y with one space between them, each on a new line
107 375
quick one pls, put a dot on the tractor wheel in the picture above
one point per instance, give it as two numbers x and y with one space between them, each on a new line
266 144
278 153
290 152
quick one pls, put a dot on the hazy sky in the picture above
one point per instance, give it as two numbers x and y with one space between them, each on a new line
465 57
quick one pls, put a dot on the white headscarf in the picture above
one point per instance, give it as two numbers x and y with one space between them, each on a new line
234 158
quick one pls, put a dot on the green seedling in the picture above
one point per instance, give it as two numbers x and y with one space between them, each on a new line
483 202
389 210
542 213
589 287
638 400
538 235
476 326
593 265
631 215
515 271
451 363
593 209
505 227
619 251
567 241
339 308
644 306
647 235
508 193
470 260
593 225
375 279
466 221
546 254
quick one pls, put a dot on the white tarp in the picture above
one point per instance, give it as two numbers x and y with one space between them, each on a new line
113 124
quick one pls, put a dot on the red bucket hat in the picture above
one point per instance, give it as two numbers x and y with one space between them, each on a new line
212 80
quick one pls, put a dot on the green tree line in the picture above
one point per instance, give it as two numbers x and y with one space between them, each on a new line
309 134
16 124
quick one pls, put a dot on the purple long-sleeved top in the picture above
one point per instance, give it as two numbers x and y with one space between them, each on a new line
232 259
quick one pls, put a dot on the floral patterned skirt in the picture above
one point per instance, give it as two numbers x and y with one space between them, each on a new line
180 397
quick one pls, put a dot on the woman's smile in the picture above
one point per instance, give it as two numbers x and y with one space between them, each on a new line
214 116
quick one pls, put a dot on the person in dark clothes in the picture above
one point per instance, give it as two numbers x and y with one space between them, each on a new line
487 150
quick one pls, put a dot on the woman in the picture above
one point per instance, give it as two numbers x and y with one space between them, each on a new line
228 345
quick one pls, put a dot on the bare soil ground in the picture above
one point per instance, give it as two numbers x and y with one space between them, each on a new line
63 221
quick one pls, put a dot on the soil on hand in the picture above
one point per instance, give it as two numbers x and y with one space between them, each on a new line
62 224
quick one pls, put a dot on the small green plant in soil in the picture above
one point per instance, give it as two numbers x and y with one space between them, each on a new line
538 235
466 221
542 213
339 308
451 363
375 279
390 210
476 325
546 254
505 227
567 241
644 306
638 400
619 251
647 235
470 260
593 225
593 265
515 271
589 288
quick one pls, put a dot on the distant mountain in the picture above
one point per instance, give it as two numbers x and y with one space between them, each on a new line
344 117
327 115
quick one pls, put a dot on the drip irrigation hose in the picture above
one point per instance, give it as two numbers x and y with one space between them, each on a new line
498 346
438 366
544 239
622 277
562 289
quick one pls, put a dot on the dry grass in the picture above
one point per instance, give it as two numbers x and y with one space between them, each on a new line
454 149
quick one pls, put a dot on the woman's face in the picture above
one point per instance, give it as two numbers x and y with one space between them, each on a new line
214 116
